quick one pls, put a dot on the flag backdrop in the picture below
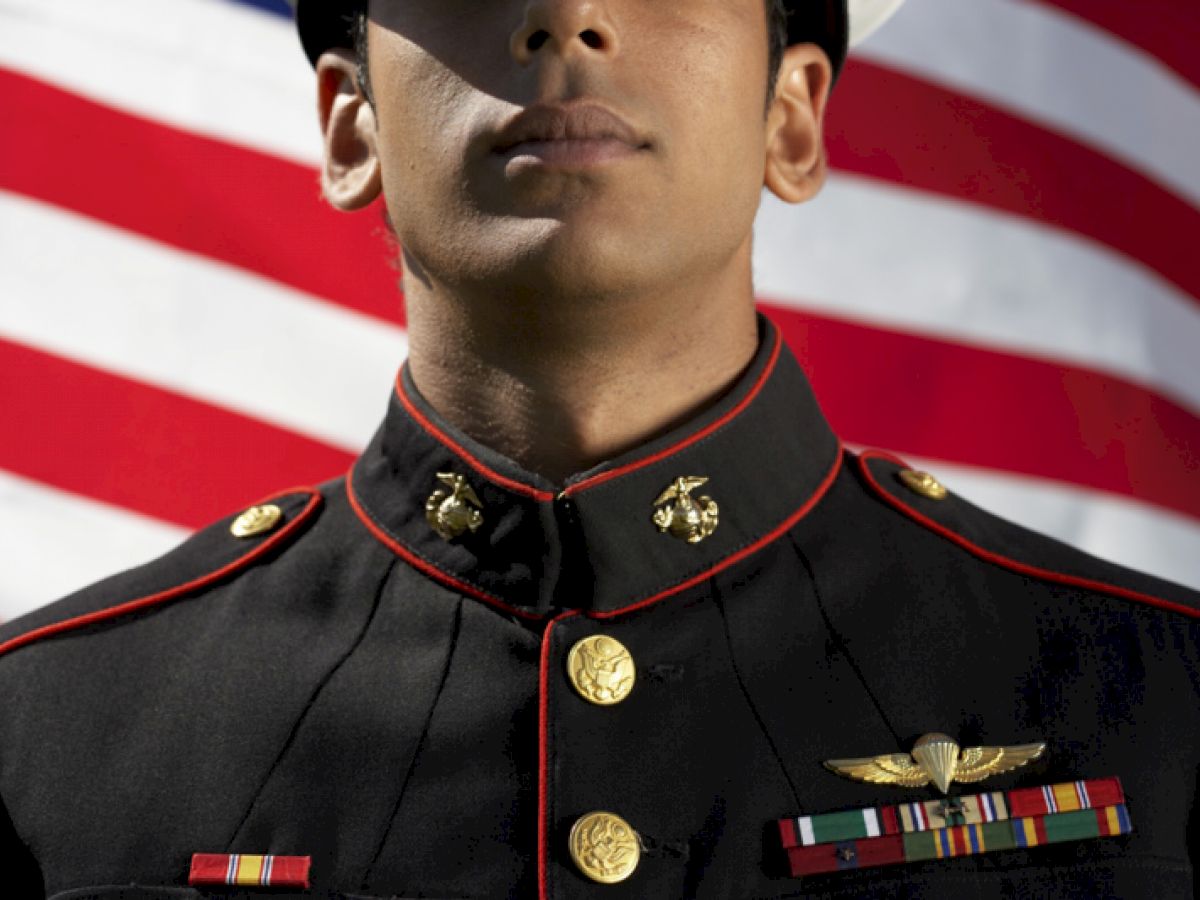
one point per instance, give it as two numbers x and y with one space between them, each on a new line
1001 281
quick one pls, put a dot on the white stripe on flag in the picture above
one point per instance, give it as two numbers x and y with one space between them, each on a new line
217 68
89 541
1058 70
192 325
952 270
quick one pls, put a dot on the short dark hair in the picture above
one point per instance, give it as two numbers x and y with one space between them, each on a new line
777 41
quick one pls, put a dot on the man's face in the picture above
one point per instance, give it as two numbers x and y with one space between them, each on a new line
643 166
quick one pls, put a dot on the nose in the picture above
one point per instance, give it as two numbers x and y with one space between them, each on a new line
565 27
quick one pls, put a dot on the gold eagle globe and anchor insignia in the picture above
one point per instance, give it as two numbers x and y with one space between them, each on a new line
454 512
937 758
681 515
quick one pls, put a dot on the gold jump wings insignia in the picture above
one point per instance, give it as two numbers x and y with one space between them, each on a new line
937 758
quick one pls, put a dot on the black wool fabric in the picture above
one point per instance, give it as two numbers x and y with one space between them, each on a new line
354 688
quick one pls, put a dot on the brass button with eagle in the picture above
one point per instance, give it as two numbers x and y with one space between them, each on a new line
605 847
601 670
923 483
256 520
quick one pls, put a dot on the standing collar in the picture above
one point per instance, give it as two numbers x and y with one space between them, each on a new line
594 545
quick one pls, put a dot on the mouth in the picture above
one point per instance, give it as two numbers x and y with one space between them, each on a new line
566 136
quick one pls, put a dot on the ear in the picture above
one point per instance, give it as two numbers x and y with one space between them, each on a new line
795 160
350 177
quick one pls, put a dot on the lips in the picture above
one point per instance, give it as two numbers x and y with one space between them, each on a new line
546 127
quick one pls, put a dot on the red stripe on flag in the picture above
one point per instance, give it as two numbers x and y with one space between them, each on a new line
1166 29
925 397
230 203
264 214
139 447
901 129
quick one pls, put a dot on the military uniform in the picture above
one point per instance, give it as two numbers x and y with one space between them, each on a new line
426 678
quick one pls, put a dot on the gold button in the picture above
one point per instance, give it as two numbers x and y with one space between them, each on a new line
602 670
256 520
924 484
605 847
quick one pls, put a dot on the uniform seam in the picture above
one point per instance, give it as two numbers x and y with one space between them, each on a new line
836 636
719 602
314 695
412 763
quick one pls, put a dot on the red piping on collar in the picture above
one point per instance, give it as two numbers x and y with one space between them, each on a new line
484 470
427 567
748 550
756 388
543 835
601 477
1004 561
131 606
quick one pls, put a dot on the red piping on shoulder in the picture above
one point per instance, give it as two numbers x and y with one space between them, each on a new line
420 564
103 615
1004 561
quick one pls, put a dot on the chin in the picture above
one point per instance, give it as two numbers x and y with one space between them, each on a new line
571 258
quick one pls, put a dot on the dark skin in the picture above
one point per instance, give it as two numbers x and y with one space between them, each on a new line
569 298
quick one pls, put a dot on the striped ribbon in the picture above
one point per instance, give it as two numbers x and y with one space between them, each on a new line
220 869
959 840
932 815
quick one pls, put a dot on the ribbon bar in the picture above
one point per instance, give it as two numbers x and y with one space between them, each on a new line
220 869
959 840
977 809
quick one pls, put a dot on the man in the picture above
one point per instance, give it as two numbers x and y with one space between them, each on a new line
605 610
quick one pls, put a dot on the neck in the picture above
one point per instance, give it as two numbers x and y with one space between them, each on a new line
561 384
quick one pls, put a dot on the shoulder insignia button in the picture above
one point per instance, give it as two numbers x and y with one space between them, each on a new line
923 483
256 520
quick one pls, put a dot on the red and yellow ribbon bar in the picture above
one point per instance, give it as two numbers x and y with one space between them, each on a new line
960 840
930 815
955 826
244 870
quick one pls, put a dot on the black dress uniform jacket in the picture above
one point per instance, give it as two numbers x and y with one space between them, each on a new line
353 687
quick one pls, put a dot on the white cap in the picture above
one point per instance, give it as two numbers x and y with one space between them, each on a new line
867 15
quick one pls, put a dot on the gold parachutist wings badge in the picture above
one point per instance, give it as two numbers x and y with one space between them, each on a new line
937 758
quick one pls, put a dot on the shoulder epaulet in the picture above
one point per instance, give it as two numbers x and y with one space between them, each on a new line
924 500
210 556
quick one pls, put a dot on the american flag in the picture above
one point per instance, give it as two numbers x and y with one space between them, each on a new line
1001 281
